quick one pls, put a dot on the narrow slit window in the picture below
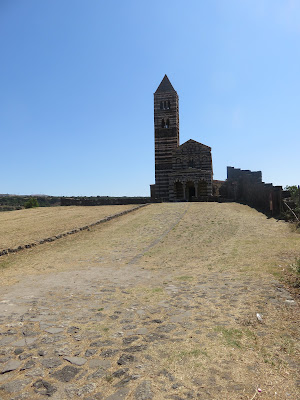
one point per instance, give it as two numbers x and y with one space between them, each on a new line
191 163
163 123
161 105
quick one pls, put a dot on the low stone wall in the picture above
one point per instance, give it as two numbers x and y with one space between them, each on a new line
72 232
104 201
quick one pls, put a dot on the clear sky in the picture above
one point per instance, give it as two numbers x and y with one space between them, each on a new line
77 79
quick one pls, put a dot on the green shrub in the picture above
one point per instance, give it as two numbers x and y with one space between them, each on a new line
293 203
298 266
294 191
31 203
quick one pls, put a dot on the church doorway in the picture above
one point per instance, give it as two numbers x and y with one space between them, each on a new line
190 191
178 191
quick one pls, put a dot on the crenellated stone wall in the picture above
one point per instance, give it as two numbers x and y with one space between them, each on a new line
247 187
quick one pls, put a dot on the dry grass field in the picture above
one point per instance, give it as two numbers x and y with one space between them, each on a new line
164 302
26 226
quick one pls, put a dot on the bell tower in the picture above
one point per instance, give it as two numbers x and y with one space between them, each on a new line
166 131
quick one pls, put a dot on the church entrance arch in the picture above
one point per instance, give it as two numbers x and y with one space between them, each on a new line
190 191
178 188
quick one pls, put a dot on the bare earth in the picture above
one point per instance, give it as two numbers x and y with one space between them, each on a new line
161 303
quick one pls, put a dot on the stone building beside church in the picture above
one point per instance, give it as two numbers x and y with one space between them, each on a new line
182 172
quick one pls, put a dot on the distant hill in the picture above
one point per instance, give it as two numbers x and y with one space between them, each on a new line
10 202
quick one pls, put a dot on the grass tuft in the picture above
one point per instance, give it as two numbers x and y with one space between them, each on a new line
185 278
232 336
157 290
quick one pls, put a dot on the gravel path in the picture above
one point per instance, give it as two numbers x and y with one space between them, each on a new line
133 329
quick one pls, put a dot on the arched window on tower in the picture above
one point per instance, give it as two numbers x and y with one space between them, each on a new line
161 105
169 105
168 123
163 123
165 105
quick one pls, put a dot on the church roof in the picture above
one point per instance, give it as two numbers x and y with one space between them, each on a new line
192 142
165 86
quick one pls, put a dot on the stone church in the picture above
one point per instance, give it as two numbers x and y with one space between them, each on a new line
182 172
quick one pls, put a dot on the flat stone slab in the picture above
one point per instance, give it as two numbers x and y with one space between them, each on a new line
125 359
24 342
53 330
97 363
11 366
37 372
15 386
120 394
143 391
44 388
181 317
76 360
66 374
6 340
142 331
51 362
73 391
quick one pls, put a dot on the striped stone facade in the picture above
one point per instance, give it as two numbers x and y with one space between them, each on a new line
182 173
166 127
192 174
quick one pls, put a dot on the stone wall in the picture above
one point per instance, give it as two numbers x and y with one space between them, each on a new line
216 186
247 187
103 201
234 174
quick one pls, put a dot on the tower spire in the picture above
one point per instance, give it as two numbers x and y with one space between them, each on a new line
165 86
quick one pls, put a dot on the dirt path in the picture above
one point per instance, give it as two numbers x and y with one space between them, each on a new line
159 304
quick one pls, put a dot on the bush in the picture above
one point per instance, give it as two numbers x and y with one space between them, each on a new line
31 203
293 202
294 191
298 266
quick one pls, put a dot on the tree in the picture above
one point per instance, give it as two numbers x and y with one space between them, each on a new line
294 191
31 203
294 204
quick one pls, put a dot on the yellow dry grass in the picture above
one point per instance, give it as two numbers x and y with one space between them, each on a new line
26 226
226 237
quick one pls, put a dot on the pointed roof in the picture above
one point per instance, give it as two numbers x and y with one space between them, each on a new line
165 86
192 142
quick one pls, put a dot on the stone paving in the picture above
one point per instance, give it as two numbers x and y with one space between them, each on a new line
129 332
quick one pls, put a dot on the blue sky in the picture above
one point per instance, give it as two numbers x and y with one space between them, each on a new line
77 80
